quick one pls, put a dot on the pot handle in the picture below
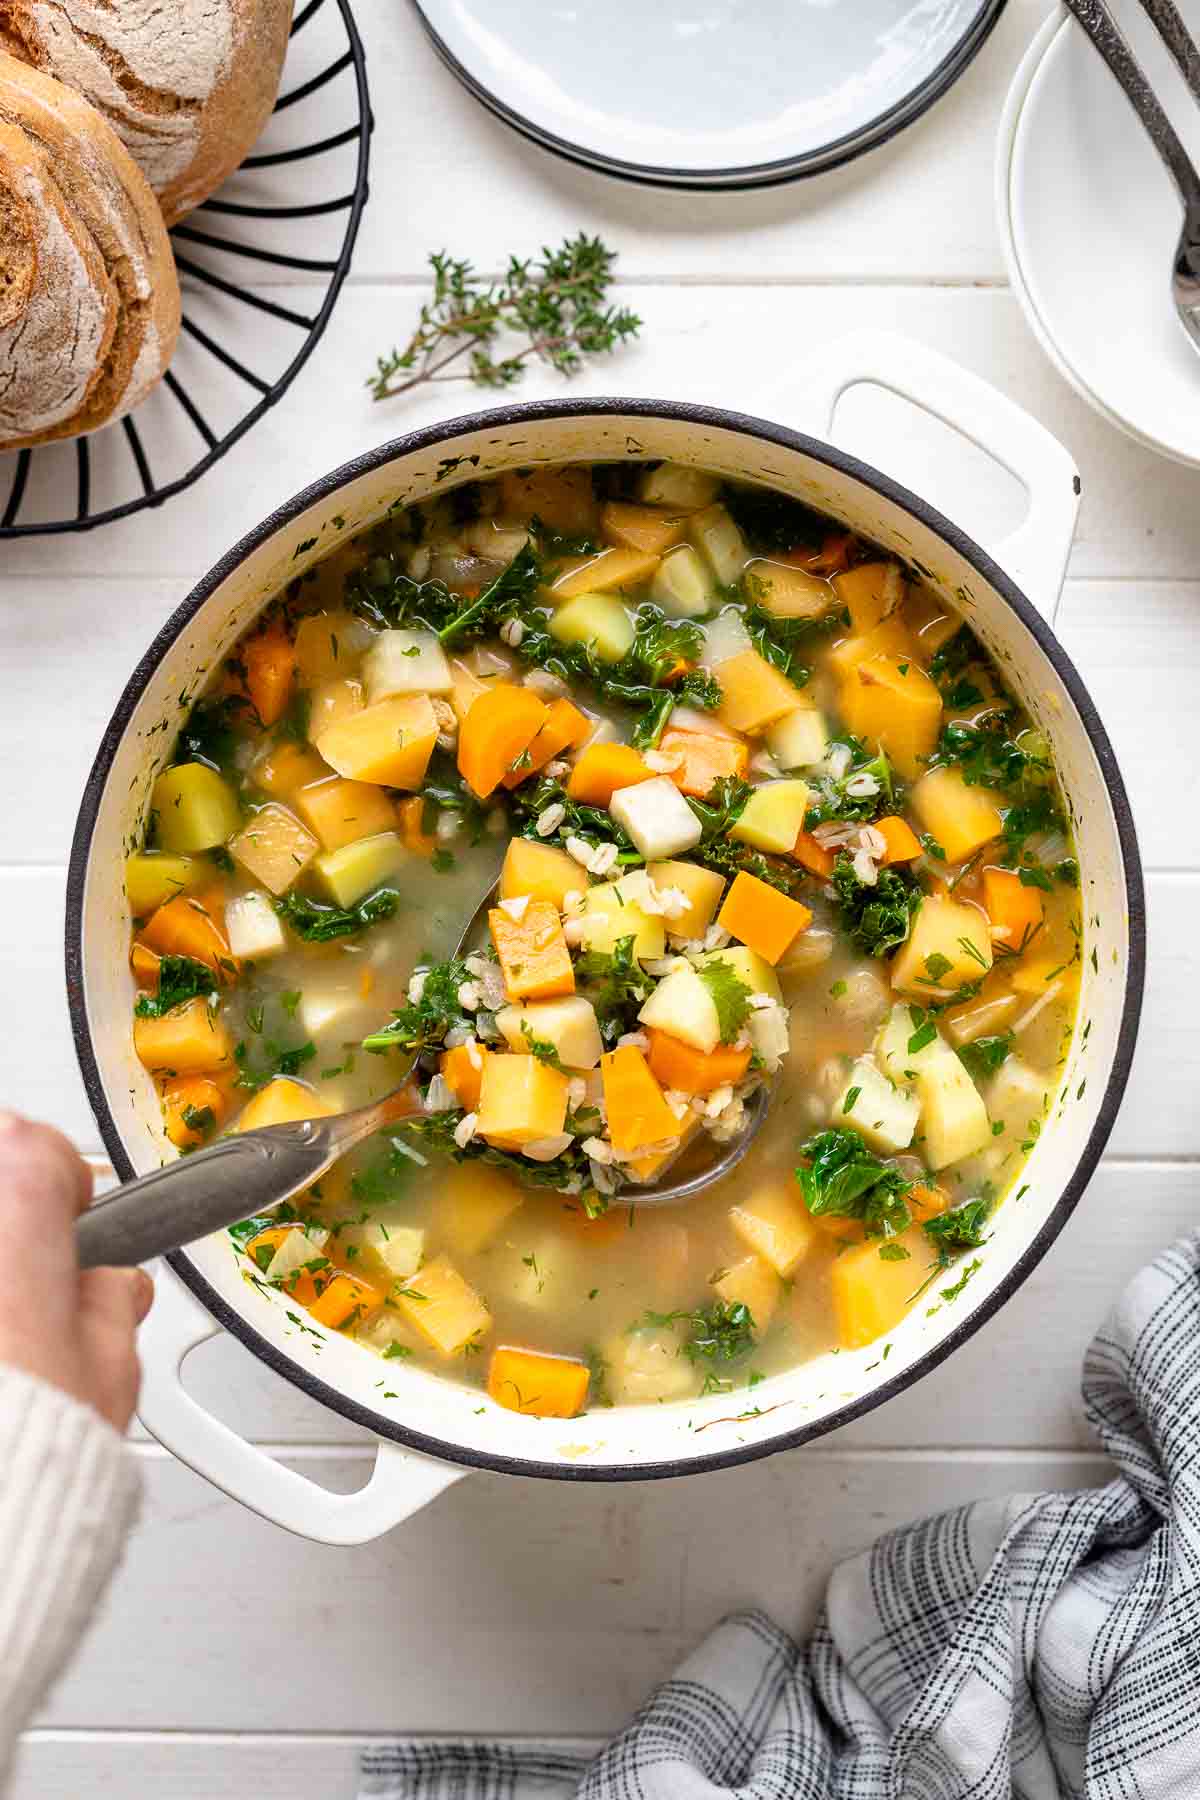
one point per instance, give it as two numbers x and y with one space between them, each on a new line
401 1483
1035 555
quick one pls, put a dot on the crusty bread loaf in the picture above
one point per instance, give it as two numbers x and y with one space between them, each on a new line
187 86
89 298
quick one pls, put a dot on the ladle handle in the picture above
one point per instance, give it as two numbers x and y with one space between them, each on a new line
233 1179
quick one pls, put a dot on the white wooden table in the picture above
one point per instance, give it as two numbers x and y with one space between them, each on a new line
232 1659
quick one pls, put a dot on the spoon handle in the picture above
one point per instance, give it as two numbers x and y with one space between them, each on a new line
1167 18
235 1178
1104 33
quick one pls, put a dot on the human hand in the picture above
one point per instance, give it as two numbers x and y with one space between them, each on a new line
73 1329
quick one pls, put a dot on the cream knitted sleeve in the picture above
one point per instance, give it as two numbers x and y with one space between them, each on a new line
68 1496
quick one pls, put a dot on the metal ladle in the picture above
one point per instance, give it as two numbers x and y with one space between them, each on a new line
252 1171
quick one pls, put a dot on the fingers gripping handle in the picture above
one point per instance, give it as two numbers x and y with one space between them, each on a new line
401 1483
1035 555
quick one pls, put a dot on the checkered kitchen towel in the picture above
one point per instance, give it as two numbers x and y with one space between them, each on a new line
1036 1647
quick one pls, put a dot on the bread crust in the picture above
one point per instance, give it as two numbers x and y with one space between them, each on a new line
187 86
89 297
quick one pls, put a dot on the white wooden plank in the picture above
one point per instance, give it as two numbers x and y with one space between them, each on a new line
918 208
727 347
1158 684
192 1766
508 1606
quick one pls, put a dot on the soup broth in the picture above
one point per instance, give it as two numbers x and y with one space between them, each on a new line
761 812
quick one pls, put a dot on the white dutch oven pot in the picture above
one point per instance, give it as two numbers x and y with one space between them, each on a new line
434 1432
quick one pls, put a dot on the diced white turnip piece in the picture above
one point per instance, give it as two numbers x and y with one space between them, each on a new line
657 818
724 637
406 662
884 1115
253 928
568 1024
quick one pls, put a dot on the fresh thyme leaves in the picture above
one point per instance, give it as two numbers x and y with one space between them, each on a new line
831 798
542 1048
722 1332
962 1228
879 917
180 978
986 1055
730 996
317 923
615 985
422 1024
840 1176
556 304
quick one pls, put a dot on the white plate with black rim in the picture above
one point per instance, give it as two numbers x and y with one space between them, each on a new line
1089 217
708 93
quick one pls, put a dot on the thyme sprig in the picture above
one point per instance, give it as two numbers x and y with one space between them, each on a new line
555 302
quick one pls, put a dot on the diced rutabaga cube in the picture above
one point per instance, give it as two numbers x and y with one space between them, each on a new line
750 968
719 542
648 1365
657 818
884 1115
959 817
770 1034
724 638
949 945
444 1308
405 662
274 846
789 592
682 1006
352 871
674 484
773 817
474 1203
799 739
702 889
252 927
751 1283
954 1120
774 1222
1015 1096
681 584
568 1024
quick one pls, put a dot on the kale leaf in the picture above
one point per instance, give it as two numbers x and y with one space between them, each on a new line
317 923
180 978
841 1177
422 1024
962 1228
986 1055
615 985
879 917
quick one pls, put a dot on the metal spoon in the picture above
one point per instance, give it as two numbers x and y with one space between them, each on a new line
1105 34
249 1173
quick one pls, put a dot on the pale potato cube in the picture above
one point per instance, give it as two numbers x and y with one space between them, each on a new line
682 1006
657 818
904 1024
356 869
340 812
1015 1096
333 1006
568 1024
383 1253
961 819
597 620
274 846
444 1308
702 888
681 584
253 928
473 1203
753 1284
674 484
332 703
773 817
774 1223
749 967
799 739
611 913
327 644
885 1116
719 542
405 662
954 1120
949 946
648 1365
282 1102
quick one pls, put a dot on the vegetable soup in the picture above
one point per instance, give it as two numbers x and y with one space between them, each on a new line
759 811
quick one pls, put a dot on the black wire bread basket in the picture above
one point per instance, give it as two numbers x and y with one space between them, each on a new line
254 308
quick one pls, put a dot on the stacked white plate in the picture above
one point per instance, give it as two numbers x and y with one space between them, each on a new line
1089 219
706 94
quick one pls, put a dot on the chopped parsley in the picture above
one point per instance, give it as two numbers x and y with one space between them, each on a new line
986 1055
729 995
879 917
180 978
422 1024
317 923
840 1177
